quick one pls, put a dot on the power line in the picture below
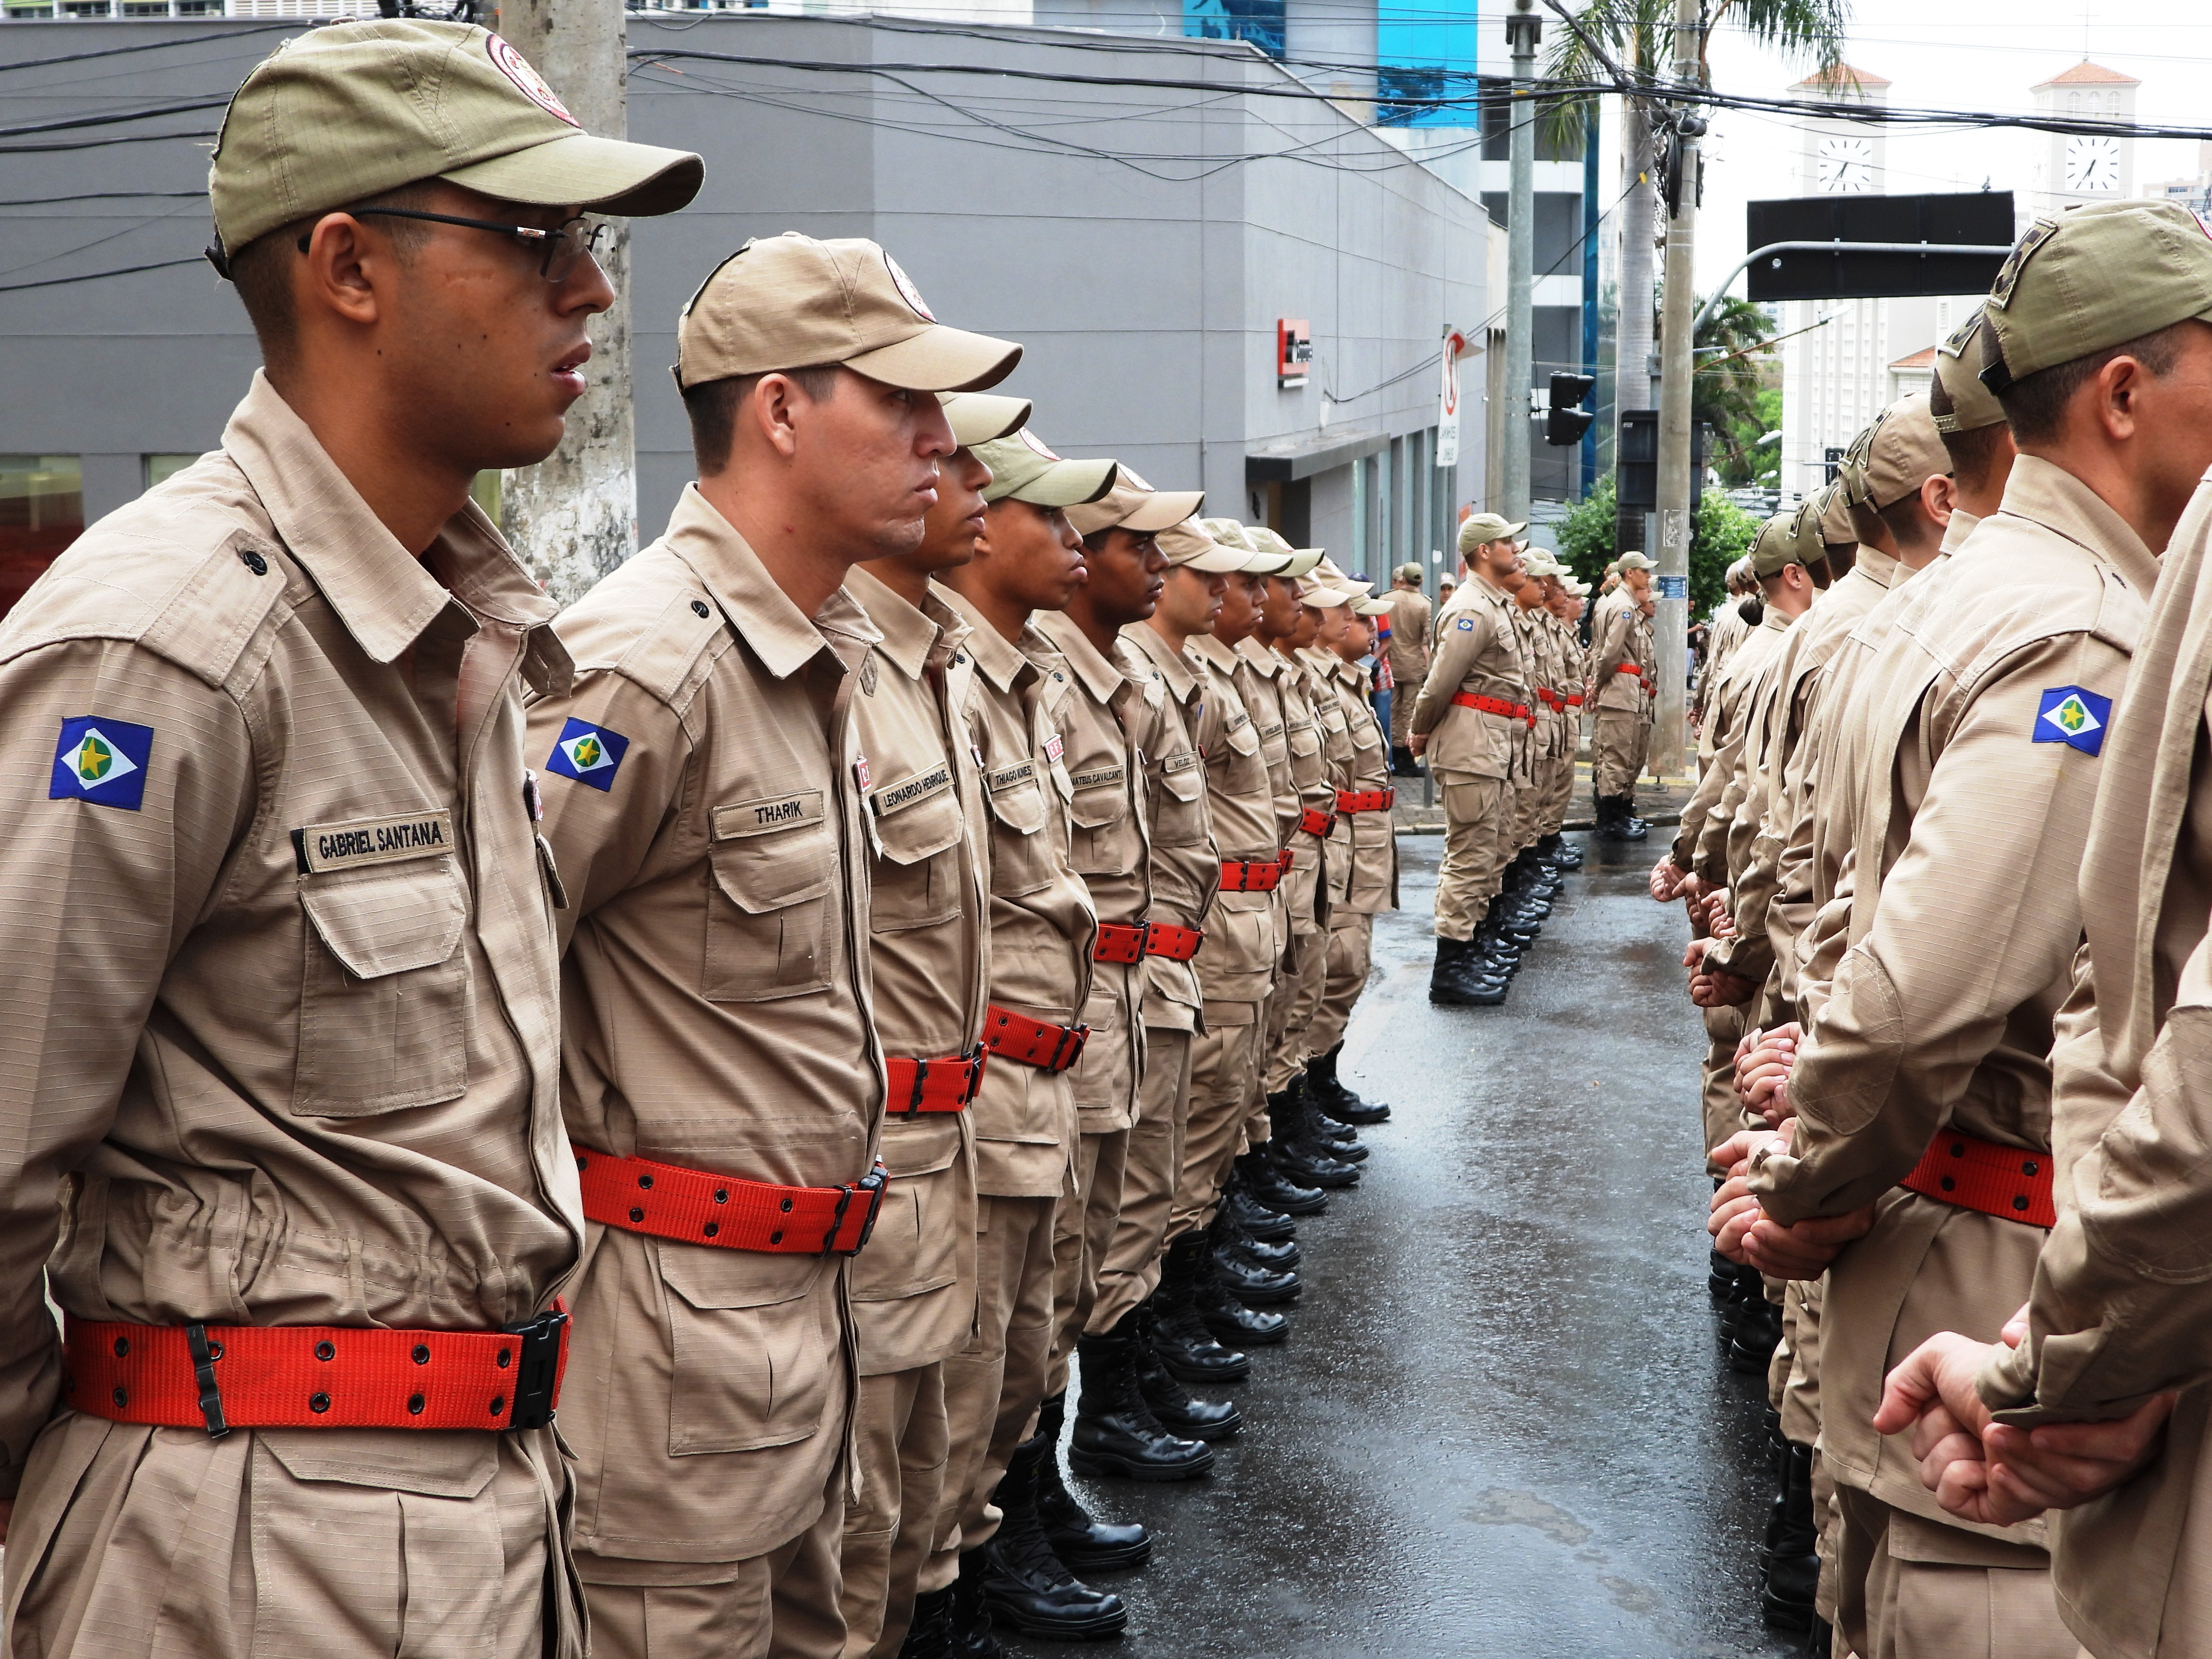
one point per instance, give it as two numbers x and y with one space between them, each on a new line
97 143
96 276
112 120
107 196
153 46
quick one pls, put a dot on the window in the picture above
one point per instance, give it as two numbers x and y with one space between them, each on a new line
159 469
41 512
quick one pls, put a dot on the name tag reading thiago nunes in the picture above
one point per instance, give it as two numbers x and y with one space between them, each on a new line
324 847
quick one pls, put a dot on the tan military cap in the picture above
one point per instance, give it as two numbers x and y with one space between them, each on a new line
1320 595
1831 507
1891 459
353 109
1327 569
1632 560
1410 572
1188 544
1959 367
1260 560
1371 607
1132 504
1022 468
2092 277
790 302
1482 527
1787 538
1301 561
977 417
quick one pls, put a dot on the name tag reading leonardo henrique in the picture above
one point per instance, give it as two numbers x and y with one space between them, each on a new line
324 847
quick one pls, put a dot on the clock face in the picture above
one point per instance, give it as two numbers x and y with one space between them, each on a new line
2093 164
1846 166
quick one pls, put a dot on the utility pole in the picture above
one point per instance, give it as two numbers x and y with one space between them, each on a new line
1671 622
1632 364
573 517
1523 32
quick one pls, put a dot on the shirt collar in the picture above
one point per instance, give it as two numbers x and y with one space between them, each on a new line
1881 569
384 594
1171 663
1261 659
997 658
1961 526
1099 676
910 635
1211 651
760 613
2051 497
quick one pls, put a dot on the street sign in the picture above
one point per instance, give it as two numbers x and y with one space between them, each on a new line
1977 218
1448 401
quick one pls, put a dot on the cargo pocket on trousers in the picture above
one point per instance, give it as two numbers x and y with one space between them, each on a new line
751 1352
384 1000
768 935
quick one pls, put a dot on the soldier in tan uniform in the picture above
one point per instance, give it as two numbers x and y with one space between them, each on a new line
1947 998
1730 626
914 1287
1470 722
713 814
1013 1554
287 1092
1622 653
1411 616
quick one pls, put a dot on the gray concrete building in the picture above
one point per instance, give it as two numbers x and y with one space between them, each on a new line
1146 216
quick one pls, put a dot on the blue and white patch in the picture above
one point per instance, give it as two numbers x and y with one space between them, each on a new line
590 754
2070 715
103 761
1465 624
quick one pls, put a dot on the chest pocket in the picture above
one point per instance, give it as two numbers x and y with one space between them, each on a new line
1181 815
1305 740
917 869
774 864
1020 862
384 1001
1363 733
1102 844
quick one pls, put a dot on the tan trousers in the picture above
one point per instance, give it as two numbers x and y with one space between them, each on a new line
783 1605
992 1386
1914 1589
1224 1060
899 1430
1721 1112
1617 740
1131 1271
1291 1008
1478 823
1402 699
1556 776
1350 949
128 1542
1082 1229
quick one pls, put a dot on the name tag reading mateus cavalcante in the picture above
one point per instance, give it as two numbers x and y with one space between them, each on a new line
324 847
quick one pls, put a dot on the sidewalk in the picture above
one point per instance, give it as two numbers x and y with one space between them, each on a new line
1656 804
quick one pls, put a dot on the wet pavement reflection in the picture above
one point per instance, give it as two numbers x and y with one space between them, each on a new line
1501 1426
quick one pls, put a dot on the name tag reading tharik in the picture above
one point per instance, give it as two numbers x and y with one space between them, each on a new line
324 846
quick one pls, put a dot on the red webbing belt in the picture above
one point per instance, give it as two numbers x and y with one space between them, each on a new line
1284 860
2006 1181
1243 876
1032 1041
933 1085
1177 944
1630 668
1366 800
1119 941
221 1377
1314 822
1511 711
1575 701
698 1206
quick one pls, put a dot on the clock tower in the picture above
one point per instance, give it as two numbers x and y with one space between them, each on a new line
2074 167
1842 158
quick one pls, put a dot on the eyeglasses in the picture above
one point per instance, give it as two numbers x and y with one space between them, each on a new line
564 245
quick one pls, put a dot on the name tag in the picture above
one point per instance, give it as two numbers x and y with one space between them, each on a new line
1273 731
1182 763
373 841
908 792
1236 721
1099 776
1010 777
757 817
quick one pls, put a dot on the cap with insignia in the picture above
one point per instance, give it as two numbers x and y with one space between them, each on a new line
1959 370
1891 459
356 110
1830 506
2092 277
1410 572
1132 504
1298 561
1480 527
1024 470
790 302
1787 538
1634 561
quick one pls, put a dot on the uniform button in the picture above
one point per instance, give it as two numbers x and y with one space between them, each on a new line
698 607
326 1350
318 1402
254 561
2029 1168
421 1353
414 1405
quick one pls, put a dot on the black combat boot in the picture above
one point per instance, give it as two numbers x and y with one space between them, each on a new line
1116 1433
1820 1640
1778 1508
1296 1152
1611 825
1559 853
971 1609
1336 1097
1463 976
1026 1584
1631 827
1757 1331
1402 764
1250 1282
930 1634
1082 1541
1277 1256
1179 1410
1267 1185
1181 1336
1226 1316
1793 1570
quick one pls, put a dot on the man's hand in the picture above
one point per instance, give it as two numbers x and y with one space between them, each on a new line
1742 1231
1667 879
1417 742
1762 1072
1695 887
1720 913
1716 988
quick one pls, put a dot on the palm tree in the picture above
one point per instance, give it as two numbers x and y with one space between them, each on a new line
1725 391
1638 35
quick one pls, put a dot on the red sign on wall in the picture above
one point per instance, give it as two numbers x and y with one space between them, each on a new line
1293 351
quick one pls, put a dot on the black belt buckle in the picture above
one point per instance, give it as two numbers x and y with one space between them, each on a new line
872 1184
974 1058
537 1374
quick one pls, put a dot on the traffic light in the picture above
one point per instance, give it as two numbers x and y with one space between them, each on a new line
1566 423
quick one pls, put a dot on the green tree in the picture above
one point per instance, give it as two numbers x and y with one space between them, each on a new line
1721 534
1726 393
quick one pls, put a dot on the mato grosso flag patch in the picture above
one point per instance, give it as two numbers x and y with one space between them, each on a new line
103 761
2070 715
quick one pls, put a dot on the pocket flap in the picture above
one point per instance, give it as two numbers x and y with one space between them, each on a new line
921 826
387 919
765 871
1184 776
709 1278
1102 796
435 1465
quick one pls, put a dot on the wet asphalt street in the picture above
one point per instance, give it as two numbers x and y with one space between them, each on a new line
1501 1426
